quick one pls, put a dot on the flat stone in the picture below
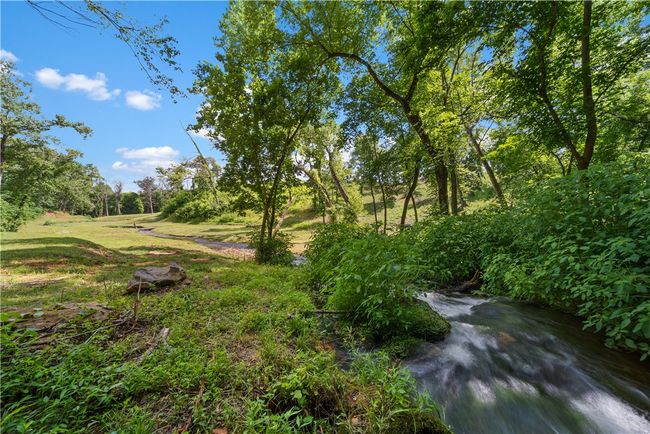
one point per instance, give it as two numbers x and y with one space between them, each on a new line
152 278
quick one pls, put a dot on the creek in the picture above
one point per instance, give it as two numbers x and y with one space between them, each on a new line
510 367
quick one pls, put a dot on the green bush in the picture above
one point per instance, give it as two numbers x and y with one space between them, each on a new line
189 206
11 217
452 248
176 202
274 250
132 203
375 284
582 244
326 247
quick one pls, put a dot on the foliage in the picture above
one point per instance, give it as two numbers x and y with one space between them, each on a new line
374 284
32 173
327 246
274 250
11 217
581 243
190 206
132 204
453 248
259 97
176 202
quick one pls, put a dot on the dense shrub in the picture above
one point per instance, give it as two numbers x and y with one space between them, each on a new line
582 243
176 202
132 203
374 282
192 206
452 248
11 217
274 250
327 246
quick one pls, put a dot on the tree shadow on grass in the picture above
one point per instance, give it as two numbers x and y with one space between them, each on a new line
55 250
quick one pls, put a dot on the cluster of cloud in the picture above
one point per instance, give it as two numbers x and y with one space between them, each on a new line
145 160
143 100
96 88
8 56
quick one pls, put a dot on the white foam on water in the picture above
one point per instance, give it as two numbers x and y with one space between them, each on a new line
482 391
518 386
610 414
451 307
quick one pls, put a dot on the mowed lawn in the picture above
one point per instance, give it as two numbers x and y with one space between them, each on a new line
235 349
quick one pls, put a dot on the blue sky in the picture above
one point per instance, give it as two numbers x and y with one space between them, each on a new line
89 76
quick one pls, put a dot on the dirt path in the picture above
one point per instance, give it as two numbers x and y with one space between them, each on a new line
236 250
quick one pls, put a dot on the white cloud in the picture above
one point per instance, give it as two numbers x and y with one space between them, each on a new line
153 152
145 160
95 88
8 56
143 100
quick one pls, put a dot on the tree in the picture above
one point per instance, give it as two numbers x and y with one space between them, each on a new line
117 196
414 37
562 63
32 174
103 192
319 157
148 189
259 97
132 203
20 120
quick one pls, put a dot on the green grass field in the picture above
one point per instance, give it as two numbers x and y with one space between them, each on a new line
236 349
299 224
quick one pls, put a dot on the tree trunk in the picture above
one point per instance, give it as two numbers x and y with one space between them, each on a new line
409 193
336 179
415 208
440 169
588 103
106 204
454 191
559 161
383 200
461 199
486 164
283 215
441 181
374 205
150 203
3 147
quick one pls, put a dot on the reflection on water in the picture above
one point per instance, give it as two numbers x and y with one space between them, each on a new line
508 367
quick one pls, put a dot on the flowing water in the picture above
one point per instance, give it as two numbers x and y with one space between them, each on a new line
509 367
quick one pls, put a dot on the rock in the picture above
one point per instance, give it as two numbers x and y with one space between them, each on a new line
150 278
427 324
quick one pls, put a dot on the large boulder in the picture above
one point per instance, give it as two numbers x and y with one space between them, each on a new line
151 278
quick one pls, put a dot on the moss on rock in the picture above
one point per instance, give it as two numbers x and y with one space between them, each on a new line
427 324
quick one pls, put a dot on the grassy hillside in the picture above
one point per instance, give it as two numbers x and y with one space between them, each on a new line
300 222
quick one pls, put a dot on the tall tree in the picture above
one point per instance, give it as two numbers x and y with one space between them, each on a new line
259 97
20 117
563 62
148 189
349 34
117 192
